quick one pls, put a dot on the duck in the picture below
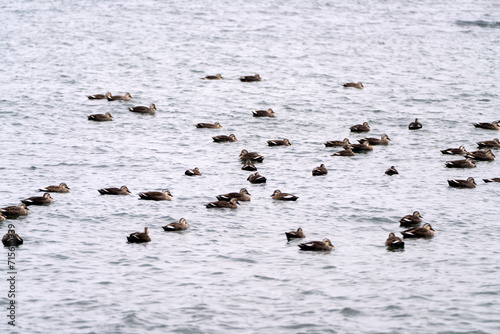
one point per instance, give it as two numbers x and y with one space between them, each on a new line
277 142
345 153
192 172
335 143
360 148
139 237
164 195
467 163
415 125
295 234
494 179
278 195
15 210
425 231
232 204
100 117
391 171
123 190
179 226
99 96
384 140
250 78
46 199
2 217
252 156
225 139
125 97
144 110
324 245
243 195
320 170
61 188
12 239
216 125
248 165
357 85
469 183
213 77
360 127
489 143
394 242
487 126
412 219
460 150
256 178
263 113
485 155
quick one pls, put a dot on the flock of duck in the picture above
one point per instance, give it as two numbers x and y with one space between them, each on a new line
232 200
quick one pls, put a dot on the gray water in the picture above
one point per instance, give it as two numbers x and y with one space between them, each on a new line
233 271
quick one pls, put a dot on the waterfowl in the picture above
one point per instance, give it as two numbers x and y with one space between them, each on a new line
192 172
61 188
321 170
394 242
123 190
295 234
494 179
2 217
15 210
252 156
384 140
263 113
284 142
360 127
357 85
489 143
179 226
243 196
225 139
249 166
99 96
425 231
232 204
485 155
345 153
139 237
360 148
460 150
469 183
335 143
12 239
250 78
144 110
213 77
100 117
391 171
467 163
125 97
38 200
216 125
415 125
164 195
256 178
410 220
278 195
487 126
324 245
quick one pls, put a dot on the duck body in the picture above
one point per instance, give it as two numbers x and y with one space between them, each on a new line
179 226
263 113
15 210
460 150
100 117
345 153
213 77
250 78
225 139
278 195
284 142
336 143
487 126
324 245
144 110
415 125
320 170
249 166
46 199
384 140
192 172
12 239
99 96
469 183
360 127
125 97
61 188
139 237
295 234
256 178
485 155
243 195
394 242
411 220
164 195
357 85
252 156
360 148
494 179
425 231
467 163
391 171
123 190
489 143
215 125
232 204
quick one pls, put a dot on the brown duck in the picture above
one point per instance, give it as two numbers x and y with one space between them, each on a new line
345 153
489 143
249 166
179 226
460 150
123 190
225 139
394 242
144 110
384 140
213 77
278 195
467 163
415 125
164 195
360 148
284 142
232 204
250 78
425 231
61 188
192 172
409 220
216 125
125 97
46 199
139 237
494 179
320 170
485 155
15 210
12 239
99 96
357 85
295 234
335 143
487 126
243 196
252 156
391 171
256 178
263 113
100 117
360 127
469 183
324 245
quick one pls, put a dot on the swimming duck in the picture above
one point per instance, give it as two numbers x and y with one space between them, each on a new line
360 148
494 179
415 125
144 110
249 166
256 178
61 188
460 150
252 156
263 113
391 171
225 139
2 217
192 172
357 85
394 242
487 126
410 220
335 143
216 125
15 210
164 195
278 195
100 117
469 183
125 97
384 140
38 200
324 245
467 163
485 155
321 170
345 153
360 127
232 204
99 96
243 196
12 239
425 231
489 143
123 190
284 142
139 237
295 234
250 78
179 226
213 77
